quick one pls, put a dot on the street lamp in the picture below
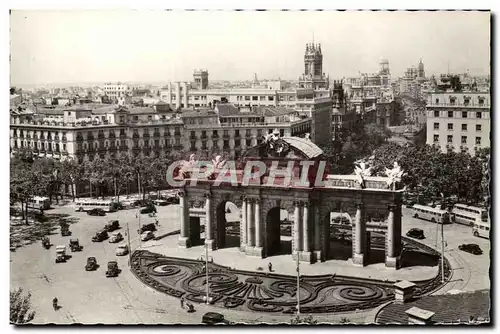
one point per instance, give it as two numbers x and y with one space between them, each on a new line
206 273
129 246
298 283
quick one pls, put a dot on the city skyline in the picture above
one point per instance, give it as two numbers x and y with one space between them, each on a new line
175 43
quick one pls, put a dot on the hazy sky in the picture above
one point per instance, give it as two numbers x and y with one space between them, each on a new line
49 47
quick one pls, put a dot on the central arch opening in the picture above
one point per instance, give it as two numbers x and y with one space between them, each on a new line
338 228
228 225
279 232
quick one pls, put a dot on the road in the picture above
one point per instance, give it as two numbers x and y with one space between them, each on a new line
90 297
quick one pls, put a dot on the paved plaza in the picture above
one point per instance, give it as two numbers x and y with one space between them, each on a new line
90 297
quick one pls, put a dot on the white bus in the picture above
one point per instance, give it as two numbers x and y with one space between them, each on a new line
435 215
468 215
89 204
481 229
39 203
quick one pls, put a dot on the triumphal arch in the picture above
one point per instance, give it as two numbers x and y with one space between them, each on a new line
289 173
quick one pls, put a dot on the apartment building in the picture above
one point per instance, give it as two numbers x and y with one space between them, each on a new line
459 121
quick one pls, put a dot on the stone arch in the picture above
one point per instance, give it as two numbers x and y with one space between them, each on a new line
219 221
271 215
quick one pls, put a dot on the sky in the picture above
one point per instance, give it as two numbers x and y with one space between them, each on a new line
55 47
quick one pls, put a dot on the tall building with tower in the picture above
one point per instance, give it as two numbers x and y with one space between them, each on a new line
201 79
421 69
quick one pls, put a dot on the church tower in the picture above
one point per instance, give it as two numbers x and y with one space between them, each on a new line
313 60
421 70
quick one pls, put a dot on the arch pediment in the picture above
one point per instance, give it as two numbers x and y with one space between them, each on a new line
284 147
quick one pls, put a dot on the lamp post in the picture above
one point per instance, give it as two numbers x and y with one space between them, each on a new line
442 252
129 245
138 215
298 283
206 273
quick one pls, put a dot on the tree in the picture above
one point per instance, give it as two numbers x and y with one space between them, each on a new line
20 307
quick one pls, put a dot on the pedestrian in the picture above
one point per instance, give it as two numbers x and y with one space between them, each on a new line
157 223
182 302
54 304
270 266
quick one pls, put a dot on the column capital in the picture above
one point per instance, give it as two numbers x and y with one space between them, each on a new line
250 200
256 201
208 194
359 204
305 204
392 207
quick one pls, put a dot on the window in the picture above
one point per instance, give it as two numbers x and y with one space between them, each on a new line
436 126
464 127
436 113
282 133
450 113
464 114
466 101
248 143
436 138
481 100
270 98
450 126
478 140
237 143
464 140
255 98
437 101
247 98
262 98
478 127
450 139
478 114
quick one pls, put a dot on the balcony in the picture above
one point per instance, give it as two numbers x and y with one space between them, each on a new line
225 136
79 138
248 134
156 134
215 135
193 137
204 136
56 138
123 135
90 138
135 136
145 135
178 146
177 134
237 135
123 147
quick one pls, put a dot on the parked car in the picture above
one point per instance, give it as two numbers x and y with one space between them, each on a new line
471 248
172 200
117 206
147 227
112 225
415 233
74 245
142 203
46 242
160 202
341 220
60 253
148 209
212 318
113 269
115 237
100 236
147 236
96 212
91 264
65 232
121 250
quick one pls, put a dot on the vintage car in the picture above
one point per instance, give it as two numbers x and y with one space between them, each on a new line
96 212
91 264
65 232
121 250
60 253
148 209
471 248
213 318
46 242
113 270
147 227
74 245
415 233
148 235
160 202
100 236
115 237
112 225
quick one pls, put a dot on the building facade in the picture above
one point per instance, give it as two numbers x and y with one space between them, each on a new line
459 121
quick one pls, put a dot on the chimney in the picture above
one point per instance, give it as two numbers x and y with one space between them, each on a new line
403 291
418 316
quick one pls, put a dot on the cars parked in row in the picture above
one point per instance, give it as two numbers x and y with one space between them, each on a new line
122 250
112 225
148 235
100 236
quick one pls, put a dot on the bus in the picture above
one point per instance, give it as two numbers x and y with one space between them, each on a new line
89 204
468 215
481 229
39 203
435 215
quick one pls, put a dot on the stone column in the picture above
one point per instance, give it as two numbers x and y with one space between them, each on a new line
359 236
391 259
296 231
243 225
306 251
184 218
317 232
209 241
258 236
250 228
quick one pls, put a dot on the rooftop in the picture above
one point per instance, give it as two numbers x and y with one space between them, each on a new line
448 308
